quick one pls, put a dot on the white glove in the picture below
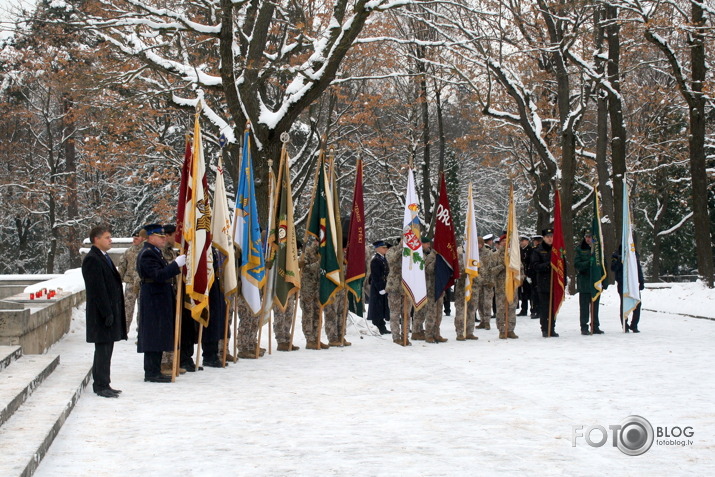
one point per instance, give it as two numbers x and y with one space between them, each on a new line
382 292
528 280
180 260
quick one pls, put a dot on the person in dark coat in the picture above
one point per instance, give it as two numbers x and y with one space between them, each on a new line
541 266
525 289
213 333
156 302
584 284
379 310
106 321
617 268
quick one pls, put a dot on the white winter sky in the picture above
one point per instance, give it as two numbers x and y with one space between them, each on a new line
8 13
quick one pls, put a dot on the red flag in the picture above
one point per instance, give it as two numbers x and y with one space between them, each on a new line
355 271
183 187
558 264
444 243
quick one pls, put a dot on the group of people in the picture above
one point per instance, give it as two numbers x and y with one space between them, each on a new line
387 299
149 269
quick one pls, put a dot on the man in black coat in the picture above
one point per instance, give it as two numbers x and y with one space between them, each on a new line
379 310
157 298
541 266
106 322
525 288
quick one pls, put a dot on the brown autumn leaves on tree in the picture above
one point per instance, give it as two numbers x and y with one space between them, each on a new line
391 102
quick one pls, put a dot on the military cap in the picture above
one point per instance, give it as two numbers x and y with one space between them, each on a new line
488 237
169 229
380 243
547 231
154 229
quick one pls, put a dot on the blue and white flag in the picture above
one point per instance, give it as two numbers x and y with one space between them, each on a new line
631 286
247 232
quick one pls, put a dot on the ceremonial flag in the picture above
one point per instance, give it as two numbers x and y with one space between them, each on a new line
444 243
512 253
355 273
282 238
598 265
413 264
558 264
322 226
197 234
247 232
183 188
221 236
471 247
631 286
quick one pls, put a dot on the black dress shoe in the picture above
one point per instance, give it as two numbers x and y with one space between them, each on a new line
545 334
554 334
634 329
521 314
157 379
596 331
108 393
385 332
188 366
585 332
213 363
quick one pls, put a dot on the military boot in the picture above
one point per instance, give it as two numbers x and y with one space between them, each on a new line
441 339
430 340
312 345
346 342
399 342
481 325
287 347
472 337
418 336
512 335
337 344
461 338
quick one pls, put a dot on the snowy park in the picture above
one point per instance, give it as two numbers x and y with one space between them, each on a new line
486 407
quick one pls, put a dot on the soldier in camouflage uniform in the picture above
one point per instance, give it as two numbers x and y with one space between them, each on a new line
395 293
486 286
128 272
309 290
459 289
334 322
282 322
499 271
421 315
247 335
432 309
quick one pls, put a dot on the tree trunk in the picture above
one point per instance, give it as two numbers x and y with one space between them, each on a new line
73 240
698 174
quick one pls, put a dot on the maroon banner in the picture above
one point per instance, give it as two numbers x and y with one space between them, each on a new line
183 188
444 243
558 264
355 270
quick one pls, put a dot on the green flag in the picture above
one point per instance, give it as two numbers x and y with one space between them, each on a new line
598 266
282 239
321 225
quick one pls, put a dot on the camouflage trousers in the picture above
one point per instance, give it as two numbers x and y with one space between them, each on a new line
486 297
334 317
471 312
247 327
310 309
282 321
422 315
130 300
434 317
394 301
502 310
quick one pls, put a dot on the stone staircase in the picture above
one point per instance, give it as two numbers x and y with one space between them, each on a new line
37 393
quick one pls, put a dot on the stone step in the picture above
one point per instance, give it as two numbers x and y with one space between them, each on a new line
8 354
19 381
26 437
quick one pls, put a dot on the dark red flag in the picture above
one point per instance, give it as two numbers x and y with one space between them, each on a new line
355 271
183 188
558 264
444 243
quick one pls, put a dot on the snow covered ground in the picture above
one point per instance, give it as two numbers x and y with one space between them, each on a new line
376 409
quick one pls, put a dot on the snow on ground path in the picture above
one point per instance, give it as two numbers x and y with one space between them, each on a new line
376 409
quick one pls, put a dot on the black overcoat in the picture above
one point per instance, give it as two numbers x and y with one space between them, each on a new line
156 300
106 322
378 309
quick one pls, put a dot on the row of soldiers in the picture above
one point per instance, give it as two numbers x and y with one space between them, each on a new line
249 323
487 291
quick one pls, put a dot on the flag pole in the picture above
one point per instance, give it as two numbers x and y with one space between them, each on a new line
177 322
466 304
405 313
235 330
224 346
260 335
551 298
198 346
591 313
506 318
292 323
344 330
